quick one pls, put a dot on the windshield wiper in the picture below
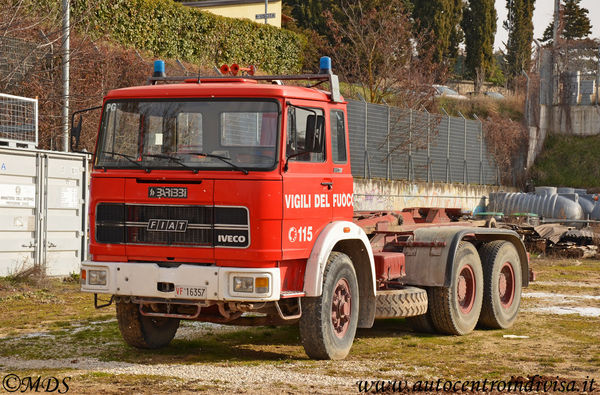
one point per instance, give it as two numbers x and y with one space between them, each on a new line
172 159
285 167
222 158
129 158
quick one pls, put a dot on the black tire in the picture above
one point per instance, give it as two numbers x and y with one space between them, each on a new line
503 282
399 303
318 333
423 323
457 313
144 332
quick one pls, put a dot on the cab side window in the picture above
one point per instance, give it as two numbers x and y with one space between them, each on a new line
338 136
305 135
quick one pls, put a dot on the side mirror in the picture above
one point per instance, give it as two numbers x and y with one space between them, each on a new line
76 128
314 133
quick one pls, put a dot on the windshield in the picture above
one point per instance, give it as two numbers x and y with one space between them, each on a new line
189 134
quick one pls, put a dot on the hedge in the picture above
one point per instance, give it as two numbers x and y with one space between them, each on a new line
168 29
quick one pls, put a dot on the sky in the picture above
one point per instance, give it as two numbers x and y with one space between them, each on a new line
544 11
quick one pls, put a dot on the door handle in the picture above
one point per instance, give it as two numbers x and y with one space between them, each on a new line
328 184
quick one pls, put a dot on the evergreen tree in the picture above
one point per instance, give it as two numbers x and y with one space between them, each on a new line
479 25
442 19
309 13
575 23
520 27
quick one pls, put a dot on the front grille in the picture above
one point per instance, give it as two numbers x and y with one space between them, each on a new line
193 214
205 226
140 235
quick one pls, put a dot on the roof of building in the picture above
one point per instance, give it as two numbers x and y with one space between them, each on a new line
213 3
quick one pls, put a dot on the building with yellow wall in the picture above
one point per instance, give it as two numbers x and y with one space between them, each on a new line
248 9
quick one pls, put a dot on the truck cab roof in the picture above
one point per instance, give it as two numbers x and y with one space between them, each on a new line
219 87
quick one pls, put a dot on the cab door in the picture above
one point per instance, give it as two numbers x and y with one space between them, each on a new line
343 183
307 180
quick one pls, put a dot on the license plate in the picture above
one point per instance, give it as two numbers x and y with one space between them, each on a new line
191 292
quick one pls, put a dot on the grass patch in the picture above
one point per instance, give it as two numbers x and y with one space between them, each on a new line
511 107
562 159
58 321
30 307
585 270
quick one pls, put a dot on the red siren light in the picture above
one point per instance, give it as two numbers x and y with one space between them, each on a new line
234 69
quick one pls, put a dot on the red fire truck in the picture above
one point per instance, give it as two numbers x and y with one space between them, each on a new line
229 199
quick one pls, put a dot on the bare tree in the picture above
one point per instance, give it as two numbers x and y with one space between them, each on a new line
30 66
376 49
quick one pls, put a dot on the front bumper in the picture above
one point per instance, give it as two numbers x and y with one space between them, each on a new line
208 283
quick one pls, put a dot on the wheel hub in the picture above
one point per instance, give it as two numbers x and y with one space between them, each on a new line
506 285
465 290
341 307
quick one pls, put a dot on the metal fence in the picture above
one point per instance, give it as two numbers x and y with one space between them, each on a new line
18 58
402 144
18 121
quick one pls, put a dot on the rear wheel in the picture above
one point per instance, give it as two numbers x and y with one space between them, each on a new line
328 322
142 331
502 284
455 309
423 323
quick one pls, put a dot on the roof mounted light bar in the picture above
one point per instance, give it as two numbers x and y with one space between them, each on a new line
331 78
325 75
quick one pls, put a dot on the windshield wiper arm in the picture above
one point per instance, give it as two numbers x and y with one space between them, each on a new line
222 158
172 159
285 167
129 158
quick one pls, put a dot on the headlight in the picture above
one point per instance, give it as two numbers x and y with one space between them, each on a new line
97 277
243 284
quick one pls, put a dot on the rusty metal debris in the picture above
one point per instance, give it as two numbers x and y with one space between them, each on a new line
558 240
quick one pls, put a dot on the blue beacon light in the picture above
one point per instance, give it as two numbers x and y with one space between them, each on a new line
159 69
325 65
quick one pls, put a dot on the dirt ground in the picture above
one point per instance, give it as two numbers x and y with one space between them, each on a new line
52 332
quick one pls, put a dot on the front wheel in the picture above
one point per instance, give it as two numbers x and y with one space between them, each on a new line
328 322
144 332
455 309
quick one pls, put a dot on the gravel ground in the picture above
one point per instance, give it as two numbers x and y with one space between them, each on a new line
232 377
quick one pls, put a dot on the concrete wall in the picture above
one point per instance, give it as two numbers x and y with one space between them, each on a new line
575 120
396 195
568 120
466 86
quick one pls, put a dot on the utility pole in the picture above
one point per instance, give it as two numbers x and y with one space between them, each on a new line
266 11
556 32
65 73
